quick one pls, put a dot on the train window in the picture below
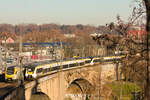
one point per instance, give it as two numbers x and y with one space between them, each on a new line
10 70
88 61
58 67
108 60
31 69
55 68
78 64
39 70
72 65
46 70
81 63
75 64
65 66
96 60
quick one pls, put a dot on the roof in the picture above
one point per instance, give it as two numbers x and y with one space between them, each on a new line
45 44
10 40
135 32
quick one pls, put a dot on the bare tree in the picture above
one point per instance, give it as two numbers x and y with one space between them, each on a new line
138 48
147 4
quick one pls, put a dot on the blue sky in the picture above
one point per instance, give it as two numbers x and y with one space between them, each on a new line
93 12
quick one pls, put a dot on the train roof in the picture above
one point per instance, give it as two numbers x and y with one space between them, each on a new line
13 65
16 67
67 59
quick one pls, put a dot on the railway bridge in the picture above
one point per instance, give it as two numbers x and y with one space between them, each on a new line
70 83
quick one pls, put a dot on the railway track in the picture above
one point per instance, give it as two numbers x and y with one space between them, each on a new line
5 88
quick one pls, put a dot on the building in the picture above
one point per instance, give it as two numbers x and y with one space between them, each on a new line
136 31
69 35
8 40
45 50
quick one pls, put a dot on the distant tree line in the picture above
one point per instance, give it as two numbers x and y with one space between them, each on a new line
47 32
64 29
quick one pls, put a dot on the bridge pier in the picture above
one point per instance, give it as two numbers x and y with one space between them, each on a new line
54 87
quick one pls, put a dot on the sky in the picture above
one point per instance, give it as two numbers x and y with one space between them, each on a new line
92 12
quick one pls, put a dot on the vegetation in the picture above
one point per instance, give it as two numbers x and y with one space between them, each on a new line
46 32
136 64
124 89
120 90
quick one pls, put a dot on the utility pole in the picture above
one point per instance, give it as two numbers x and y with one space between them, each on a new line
1 62
21 80
20 44
83 52
117 63
54 49
5 55
41 53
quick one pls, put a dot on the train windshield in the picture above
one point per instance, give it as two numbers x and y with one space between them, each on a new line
10 70
31 69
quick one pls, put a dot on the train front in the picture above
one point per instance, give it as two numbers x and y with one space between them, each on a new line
30 73
10 73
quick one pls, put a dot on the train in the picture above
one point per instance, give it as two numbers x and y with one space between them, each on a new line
113 58
38 69
49 68
14 72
